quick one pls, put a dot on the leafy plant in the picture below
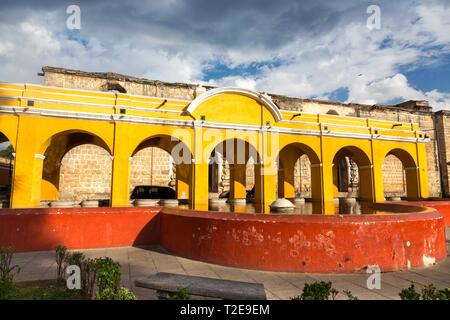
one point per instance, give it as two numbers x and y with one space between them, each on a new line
180 295
349 295
317 291
108 274
61 256
103 272
74 258
429 292
8 290
7 272
88 270
119 294
321 291
410 293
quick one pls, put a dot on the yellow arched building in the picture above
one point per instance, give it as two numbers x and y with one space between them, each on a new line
43 123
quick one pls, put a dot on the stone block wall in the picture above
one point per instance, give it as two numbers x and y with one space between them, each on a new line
85 173
86 170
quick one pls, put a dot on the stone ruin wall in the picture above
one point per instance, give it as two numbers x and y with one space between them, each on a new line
86 173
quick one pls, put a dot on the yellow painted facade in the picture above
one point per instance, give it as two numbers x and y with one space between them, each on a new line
36 119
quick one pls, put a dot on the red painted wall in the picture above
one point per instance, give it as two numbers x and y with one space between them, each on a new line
313 243
305 243
44 229
441 206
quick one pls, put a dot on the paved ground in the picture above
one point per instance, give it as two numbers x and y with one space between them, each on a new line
139 262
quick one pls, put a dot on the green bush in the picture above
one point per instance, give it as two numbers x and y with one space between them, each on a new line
9 290
317 291
119 294
429 292
88 270
74 258
7 272
103 272
108 274
180 295
61 256
349 295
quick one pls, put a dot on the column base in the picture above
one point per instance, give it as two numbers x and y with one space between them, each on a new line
239 201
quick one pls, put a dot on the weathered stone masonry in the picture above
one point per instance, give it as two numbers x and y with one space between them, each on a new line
85 170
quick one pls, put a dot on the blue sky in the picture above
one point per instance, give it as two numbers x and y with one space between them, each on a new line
310 49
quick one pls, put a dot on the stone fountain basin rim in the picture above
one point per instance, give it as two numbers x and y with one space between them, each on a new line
412 212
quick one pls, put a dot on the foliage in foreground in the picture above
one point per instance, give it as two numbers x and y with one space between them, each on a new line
7 272
321 291
101 273
180 295
324 291
429 292
104 273
120 294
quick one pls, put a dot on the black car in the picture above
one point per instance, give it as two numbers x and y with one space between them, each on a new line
250 194
153 192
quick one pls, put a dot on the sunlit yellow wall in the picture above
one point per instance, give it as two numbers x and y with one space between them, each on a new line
31 116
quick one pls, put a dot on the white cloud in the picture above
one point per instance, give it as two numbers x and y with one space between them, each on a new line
317 55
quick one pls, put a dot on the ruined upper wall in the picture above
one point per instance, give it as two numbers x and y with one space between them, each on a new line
105 81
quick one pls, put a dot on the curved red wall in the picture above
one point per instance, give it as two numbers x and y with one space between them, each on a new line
306 243
440 205
313 243
77 228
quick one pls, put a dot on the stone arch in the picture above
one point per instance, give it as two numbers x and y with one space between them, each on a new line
357 166
240 158
288 157
411 171
170 164
56 148
7 154
394 180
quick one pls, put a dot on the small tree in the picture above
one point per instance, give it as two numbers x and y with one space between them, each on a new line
61 256
7 272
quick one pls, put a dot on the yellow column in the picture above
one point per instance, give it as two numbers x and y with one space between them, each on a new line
265 184
28 165
318 183
199 190
412 183
335 166
377 170
377 181
26 191
328 190
423 170
238 188
183 181
367 186
286 179
120 184
324 170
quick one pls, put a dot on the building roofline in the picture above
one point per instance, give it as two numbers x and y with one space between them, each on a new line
410 105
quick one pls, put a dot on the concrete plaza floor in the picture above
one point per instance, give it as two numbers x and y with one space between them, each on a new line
140 262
